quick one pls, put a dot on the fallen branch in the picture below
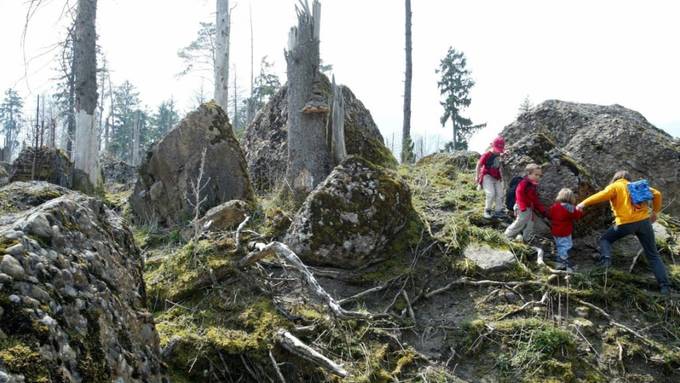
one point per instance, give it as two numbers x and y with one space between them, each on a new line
276 368
615 323
637 256
238 232
363 293
467 281
295 346
408 305
286 254
542 302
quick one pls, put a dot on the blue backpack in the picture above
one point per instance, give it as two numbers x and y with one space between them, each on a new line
640 192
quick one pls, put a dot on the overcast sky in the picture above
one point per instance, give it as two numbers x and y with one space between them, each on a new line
603 52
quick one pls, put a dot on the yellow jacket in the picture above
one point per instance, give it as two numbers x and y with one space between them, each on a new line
619 198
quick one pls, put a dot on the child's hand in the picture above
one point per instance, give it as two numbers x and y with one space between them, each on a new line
580 207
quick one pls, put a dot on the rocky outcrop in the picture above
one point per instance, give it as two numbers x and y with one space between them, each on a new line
603 139
117 172
173 164
560 170
72 296
4 176
348 219
43 164
265 142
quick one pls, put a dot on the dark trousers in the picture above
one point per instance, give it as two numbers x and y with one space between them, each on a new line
645 234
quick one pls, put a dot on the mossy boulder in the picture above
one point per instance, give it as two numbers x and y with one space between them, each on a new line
265 142
43 164
171 166
72 297
350 218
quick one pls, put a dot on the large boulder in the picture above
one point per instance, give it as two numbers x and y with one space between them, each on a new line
265 142
43 164
604 139
171 166
72 298
4 176
560 170
348 220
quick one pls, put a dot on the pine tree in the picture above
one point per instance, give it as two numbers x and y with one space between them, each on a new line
526 105
126 102
165 118
454 86
10 117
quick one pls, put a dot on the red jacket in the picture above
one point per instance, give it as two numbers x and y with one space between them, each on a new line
526 196
494 170
562 220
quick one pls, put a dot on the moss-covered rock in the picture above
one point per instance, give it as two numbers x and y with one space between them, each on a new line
349 219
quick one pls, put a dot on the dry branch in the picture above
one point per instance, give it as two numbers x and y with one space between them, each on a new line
295 346
287 255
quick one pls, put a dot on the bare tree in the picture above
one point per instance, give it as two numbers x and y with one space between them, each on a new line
309 159
86 146
406 142
223 26
336 133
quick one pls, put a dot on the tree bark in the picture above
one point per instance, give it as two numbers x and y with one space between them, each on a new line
337 121
71 117
135 139
250 111
222 26
309 159
406 156
453 128
86 147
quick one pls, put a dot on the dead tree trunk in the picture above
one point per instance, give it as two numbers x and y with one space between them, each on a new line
135 139
86 147
406 150
250 111
337 124
309 159
222 54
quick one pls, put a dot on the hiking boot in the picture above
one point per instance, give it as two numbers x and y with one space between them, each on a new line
665 291
499 214
487 214
519 238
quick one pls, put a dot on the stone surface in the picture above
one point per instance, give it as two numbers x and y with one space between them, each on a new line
604 139
349 218
72 296
225 216
560 170
43 164
172 164
488 258
265 142
117 172
4 176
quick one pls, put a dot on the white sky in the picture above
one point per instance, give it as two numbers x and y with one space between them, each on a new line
604 52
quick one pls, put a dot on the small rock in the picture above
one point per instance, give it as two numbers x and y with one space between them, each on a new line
15 250
14 299
488 258
12 235
4 278
4 378
12 267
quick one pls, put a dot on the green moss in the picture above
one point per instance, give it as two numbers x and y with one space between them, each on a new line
19 358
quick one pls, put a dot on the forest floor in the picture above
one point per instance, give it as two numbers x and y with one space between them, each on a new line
434 315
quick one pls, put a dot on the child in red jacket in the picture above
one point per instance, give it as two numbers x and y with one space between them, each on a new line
562 214
526 204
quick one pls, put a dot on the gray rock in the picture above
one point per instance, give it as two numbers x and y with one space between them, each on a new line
325 232
15 250
12 267
44 164
225 216
93 295
604 139
488 258
266 147
172 165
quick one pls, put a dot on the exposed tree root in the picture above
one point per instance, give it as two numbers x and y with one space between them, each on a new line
295 346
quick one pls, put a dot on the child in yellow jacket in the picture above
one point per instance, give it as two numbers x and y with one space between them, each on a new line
630 219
